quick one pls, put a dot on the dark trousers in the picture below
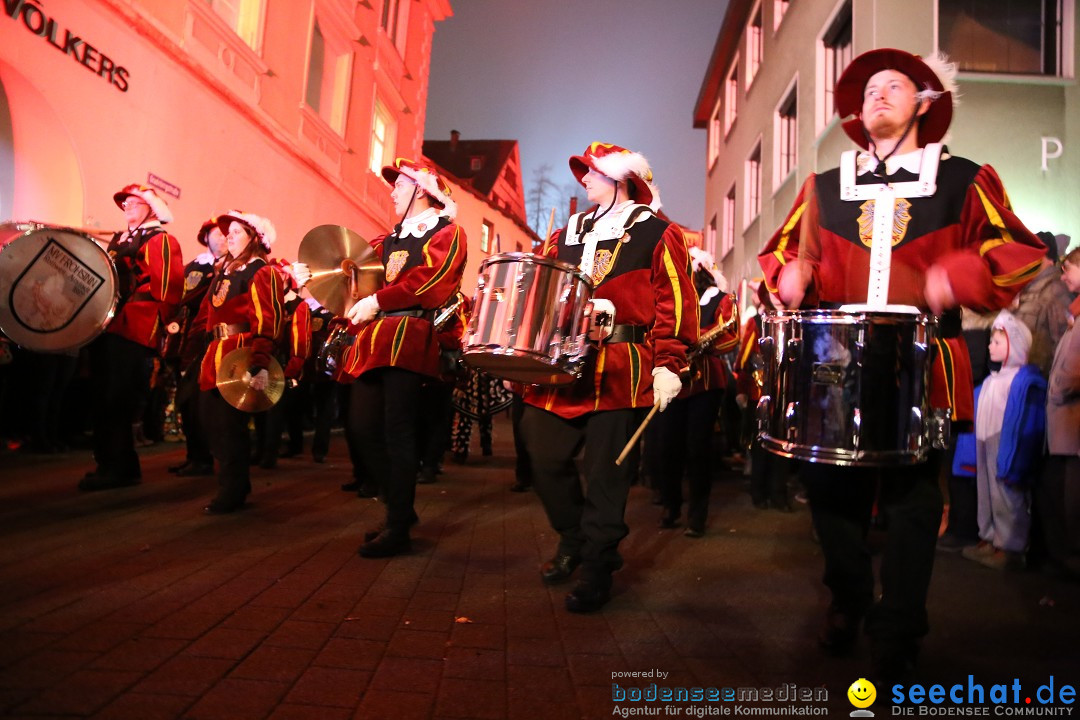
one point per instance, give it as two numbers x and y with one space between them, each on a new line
118 372
435 420
841 502
227 430
352 436
1057 501
383 414
324 396
679 441
187 404
768 476
590 519
522 464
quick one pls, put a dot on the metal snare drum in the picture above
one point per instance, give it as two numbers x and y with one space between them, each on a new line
530 320
846 388
58 287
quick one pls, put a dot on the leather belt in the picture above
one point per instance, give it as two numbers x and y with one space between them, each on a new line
421 313
224 330
627 334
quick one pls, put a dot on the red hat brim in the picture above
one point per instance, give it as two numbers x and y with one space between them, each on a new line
849 93
580 165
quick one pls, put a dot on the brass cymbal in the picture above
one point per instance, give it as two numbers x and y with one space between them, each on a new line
343 267
234 382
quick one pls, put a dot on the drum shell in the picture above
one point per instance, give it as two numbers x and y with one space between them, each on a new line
529 321
846 388
58 287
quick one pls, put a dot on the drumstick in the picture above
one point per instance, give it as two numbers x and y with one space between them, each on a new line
637 435
547 236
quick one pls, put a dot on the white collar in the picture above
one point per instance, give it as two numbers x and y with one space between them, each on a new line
418 225
910 161
613 225
205 258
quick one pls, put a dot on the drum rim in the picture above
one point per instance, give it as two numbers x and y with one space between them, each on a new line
489 351
846 458
843 316
538 260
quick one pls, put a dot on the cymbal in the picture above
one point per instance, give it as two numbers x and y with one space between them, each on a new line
234 382
335 255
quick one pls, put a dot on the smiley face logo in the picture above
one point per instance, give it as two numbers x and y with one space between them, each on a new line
862 693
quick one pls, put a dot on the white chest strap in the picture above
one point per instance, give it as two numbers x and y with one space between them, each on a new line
884 196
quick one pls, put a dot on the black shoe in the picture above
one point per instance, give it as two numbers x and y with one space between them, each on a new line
588 596
368 490
761 504
893 663
486 452
372 534
693 531
196 470
521 486
319 458
386 544
559 569
838 634
222 508
268 463
351 486
94 482
669 520
179 467
291 452
427 475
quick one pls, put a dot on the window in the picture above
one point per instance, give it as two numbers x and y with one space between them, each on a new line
715 135
328 77
710 237
487 232
1003 36
382 138
836 44
780 8
754 47
787 135
476 162
243 16
753 184
731 98
727 238
394 20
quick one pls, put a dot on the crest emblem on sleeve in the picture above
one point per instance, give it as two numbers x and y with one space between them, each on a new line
395 263
901 218
192 280
602 263
221 293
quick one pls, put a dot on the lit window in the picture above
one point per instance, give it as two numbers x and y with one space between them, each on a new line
1003 36
754 47
836 44
394 20
476 162
328 78
715 135
243 16
727 238
487 230
753 184
382 138
731 98
787 135
780 8
710 237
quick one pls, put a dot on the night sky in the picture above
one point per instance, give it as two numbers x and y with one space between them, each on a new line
556 75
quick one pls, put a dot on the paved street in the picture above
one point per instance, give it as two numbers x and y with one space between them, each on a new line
133 604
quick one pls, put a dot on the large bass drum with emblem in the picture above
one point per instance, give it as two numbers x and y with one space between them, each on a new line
847 388
530 320
58 287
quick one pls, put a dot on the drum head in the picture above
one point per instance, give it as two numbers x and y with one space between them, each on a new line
58 288
518 366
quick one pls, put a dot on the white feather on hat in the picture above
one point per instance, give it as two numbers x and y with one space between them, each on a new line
701 259
262 227
157 205
619 166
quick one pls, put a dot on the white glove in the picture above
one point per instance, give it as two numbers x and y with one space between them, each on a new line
665 386
301 273
363 311
260 380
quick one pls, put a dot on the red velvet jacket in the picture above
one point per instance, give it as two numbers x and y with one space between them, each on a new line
646 275
967 227
250 296
708 371
150 271
422 273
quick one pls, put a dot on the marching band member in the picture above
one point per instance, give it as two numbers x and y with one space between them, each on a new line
197 276
954 241
639 264
150 274
680 439
396 348
245 309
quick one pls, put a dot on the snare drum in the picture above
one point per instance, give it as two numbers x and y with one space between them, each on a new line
58 287
846 388
530 320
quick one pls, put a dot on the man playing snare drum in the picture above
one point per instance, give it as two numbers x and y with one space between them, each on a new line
949 238
639 264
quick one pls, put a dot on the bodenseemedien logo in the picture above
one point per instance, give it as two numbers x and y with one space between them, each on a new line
862 694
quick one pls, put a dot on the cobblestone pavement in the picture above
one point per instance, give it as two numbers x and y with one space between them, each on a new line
131 603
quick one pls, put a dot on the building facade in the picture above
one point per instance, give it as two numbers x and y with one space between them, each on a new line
283 109
766 104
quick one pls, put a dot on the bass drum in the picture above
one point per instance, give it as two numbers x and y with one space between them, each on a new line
58 287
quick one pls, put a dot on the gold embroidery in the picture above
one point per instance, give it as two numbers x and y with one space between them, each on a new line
602 263
901 218
222 293
192 280
397 261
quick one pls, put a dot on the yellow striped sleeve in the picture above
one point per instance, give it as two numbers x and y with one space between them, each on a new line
676 290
